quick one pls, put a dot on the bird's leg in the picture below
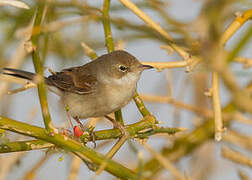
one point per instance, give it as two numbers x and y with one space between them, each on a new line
65 131
92 135
81 125
91 131
117 125
78 121
70 120
69 116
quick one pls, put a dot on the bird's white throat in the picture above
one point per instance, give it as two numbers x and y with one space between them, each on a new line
129 79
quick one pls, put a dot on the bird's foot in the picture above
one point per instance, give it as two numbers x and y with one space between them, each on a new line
117 125
82 129
92 135
65 132
121 128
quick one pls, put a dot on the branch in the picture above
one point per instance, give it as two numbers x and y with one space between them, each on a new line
74 168
153 25
111 153
24 146
165 163
238 139
39 68
161 130
132 130
106 26
217 107
169 100
165 65
89 51
67 144
236 24
32 172
239 45
236 157
140 105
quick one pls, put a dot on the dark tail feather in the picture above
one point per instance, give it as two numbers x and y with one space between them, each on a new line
28 76
18 73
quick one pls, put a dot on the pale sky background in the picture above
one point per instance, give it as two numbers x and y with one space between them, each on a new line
147 50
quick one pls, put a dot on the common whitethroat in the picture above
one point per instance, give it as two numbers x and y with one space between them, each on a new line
95 89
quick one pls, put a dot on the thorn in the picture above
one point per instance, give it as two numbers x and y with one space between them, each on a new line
51 71
238 14
29 47
209 92
218 136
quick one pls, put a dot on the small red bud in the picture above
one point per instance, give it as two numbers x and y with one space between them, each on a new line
77 131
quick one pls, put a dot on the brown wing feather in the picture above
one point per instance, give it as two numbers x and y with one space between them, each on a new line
74 80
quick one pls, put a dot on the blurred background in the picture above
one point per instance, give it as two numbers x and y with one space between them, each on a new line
172 95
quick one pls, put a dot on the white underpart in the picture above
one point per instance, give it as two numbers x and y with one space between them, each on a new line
128 79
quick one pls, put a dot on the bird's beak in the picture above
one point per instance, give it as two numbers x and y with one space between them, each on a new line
145 66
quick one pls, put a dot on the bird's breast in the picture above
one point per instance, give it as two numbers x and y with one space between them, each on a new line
106 100
121 95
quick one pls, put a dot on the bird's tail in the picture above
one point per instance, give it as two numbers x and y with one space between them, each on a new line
18 73
28 76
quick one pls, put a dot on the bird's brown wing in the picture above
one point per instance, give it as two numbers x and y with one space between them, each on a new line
75 80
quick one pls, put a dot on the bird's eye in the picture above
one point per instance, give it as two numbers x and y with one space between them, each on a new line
122 68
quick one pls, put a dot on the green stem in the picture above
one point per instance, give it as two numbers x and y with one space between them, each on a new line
140 105
38 65
24 146
106 26
118 116
240 45
68 144
142 129
109 44
132 130
161 130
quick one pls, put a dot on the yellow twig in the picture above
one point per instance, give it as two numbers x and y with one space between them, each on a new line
110 154
164 99
236 24
246 62
243 175
164 65
30 175
38 66
25 87
155 26
238 116
238 139
146 18
89 51
236 157
217 107
8 162
165 162
74 169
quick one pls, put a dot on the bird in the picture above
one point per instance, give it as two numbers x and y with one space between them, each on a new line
94 89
